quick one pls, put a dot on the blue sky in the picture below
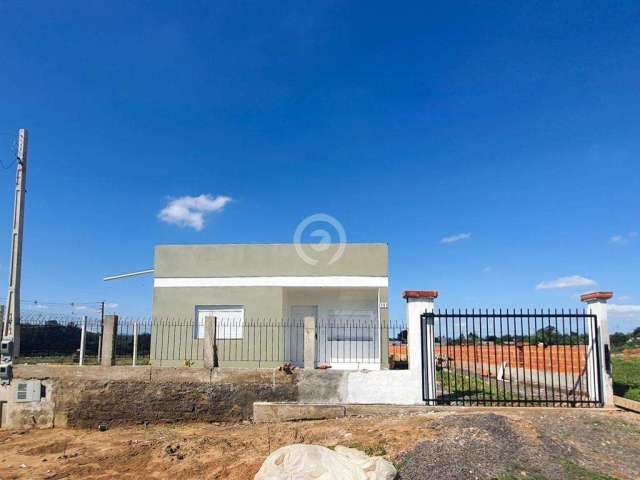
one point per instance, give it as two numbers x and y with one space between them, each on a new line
409 123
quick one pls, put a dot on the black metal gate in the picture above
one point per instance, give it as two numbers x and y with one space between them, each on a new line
512 358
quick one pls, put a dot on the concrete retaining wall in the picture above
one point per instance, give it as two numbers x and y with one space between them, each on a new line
88 396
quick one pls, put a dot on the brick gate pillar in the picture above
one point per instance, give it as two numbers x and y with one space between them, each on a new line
418 303
597 305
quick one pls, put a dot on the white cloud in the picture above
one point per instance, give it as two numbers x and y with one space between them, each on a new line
487 269
455 238
565 282
624 311
190 211
623 239
615 308
110 305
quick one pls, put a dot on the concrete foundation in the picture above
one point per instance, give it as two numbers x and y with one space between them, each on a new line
269 412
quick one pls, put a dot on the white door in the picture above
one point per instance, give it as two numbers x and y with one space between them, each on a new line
294 333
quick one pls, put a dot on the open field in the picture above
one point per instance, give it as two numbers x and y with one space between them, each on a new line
626 376
511 443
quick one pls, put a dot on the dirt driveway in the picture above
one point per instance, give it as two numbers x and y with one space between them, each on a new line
578 444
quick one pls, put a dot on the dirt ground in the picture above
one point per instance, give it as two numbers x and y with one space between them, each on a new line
533 443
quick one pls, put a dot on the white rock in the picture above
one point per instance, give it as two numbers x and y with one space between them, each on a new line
314 462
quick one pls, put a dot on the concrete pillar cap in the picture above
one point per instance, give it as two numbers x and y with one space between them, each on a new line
587 297
420 294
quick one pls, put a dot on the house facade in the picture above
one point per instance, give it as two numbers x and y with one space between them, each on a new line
260 295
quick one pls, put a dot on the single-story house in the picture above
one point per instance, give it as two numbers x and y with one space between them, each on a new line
260 295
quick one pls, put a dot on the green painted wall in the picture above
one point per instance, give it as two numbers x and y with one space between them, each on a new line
266 260
173 338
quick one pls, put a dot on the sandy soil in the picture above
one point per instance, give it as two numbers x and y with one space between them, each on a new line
629 352
606 442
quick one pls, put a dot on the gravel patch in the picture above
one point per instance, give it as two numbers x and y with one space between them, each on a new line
576 445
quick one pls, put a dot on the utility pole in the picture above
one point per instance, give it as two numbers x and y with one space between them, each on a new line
11 328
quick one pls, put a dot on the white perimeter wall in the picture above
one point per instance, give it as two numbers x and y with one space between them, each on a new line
397 387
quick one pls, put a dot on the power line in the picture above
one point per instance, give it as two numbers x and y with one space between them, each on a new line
8 166
13 147
70 304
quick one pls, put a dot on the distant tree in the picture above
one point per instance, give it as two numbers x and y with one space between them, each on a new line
472 338
50 339
505 339
548 335
461 340
618 339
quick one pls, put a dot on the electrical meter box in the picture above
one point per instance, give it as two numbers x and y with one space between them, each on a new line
6 347
5 372
28 391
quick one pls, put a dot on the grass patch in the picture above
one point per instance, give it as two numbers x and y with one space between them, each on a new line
469 387
576 472
626 377
73 360
572 472
512 476
377 450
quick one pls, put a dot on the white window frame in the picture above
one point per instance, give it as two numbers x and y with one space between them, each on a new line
225 330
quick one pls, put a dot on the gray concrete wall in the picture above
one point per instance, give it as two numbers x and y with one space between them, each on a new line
260 260
40 414
88 396
173 335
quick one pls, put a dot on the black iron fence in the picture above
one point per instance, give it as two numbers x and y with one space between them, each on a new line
515 358
338 342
